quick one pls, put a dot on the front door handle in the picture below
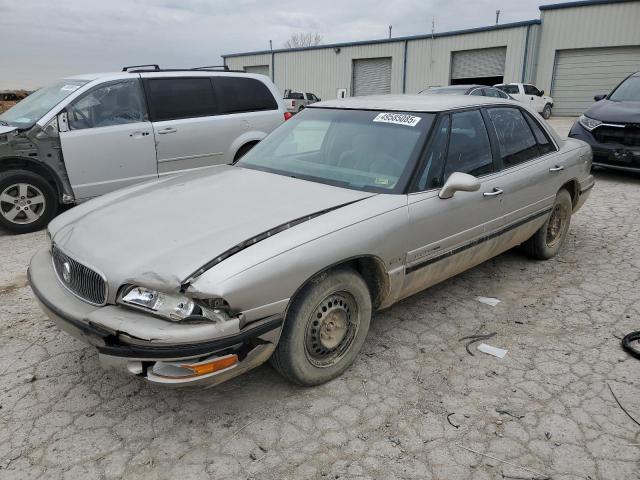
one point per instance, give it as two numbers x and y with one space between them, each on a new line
493 193
557 168
164 131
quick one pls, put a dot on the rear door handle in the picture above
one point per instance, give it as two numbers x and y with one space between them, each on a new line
493 193
557 168
164 131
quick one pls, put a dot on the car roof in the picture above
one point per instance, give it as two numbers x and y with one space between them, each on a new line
412 103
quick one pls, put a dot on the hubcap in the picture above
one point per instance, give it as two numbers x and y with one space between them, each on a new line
331 329
555 227
22 203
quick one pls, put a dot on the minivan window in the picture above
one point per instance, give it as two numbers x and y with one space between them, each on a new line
28 111
517 143
469 148
180 97
238 94
114 103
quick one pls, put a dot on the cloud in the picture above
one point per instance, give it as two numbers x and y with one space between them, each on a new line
44 40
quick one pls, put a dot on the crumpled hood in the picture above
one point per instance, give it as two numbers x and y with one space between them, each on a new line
7 129
615 112
161 232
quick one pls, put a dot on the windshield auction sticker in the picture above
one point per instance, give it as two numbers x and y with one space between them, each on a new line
397 118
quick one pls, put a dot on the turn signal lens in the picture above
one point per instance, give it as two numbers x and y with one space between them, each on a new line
212 366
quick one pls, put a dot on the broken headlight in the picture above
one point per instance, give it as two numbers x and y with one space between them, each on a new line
588 122
174 307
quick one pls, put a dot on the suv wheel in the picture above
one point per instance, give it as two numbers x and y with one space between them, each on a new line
325 328
546 112
27 201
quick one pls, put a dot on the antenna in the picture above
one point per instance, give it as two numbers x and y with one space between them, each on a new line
497 16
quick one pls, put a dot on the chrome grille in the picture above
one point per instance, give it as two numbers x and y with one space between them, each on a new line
79 279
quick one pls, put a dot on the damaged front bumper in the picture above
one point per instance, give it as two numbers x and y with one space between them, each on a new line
158 350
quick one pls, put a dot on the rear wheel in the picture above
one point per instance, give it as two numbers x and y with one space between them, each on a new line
27 201
546 112
325 328
546 242
243 151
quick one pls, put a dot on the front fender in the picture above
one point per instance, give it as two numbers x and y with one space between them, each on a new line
261 279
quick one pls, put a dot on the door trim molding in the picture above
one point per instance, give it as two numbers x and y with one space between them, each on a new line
477 241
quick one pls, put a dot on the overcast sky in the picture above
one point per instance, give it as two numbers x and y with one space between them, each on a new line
43 40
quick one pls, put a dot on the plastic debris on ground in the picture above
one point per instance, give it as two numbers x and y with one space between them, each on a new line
495 351
488 301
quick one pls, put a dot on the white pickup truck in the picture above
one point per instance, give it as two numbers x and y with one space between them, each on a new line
296 101
529 95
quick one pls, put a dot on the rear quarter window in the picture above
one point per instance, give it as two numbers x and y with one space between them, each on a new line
237 94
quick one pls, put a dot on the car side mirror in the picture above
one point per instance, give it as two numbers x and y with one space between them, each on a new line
63 122
541 94
459 182
602 96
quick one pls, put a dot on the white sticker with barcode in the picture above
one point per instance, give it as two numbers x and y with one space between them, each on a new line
397 118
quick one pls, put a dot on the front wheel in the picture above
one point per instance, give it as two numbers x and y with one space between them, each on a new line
27 201
546 242
325 328
546 112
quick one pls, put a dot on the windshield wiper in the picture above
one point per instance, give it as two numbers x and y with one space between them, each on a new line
4 124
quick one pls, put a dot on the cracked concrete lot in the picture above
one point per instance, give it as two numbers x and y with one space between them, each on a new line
62 416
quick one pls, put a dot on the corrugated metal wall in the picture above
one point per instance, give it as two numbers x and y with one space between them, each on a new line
238 63
615 24
429 61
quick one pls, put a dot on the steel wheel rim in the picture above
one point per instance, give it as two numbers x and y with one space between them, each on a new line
22 203
556 226
331 329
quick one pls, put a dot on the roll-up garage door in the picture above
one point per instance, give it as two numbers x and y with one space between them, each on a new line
580 74
483 65
372 76
261 69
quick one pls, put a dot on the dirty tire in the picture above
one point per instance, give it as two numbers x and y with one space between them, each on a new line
325 328
43 209
546 112
547 241
243 151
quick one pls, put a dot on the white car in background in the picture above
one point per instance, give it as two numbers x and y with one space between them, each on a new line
529 95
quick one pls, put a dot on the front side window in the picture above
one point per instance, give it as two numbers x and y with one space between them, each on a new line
531 90
362 150
627 91
431 176
28 111
238 94
517 143
180 97
114 103
494 92
469 148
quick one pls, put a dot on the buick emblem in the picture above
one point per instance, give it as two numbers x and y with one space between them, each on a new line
66 272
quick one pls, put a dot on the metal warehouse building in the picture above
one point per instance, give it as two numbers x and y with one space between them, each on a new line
574 50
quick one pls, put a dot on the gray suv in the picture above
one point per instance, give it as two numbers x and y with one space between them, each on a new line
91 134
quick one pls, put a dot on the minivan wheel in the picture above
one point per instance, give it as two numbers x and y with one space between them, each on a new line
27 201
324 329
546 242
546 112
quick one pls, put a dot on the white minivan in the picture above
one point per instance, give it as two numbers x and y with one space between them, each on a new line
88 135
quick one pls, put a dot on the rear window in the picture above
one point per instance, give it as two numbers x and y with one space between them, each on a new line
175 98
295 96
511 89
237 94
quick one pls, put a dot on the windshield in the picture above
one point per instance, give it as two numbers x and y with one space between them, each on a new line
27 112
627 91
363 150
